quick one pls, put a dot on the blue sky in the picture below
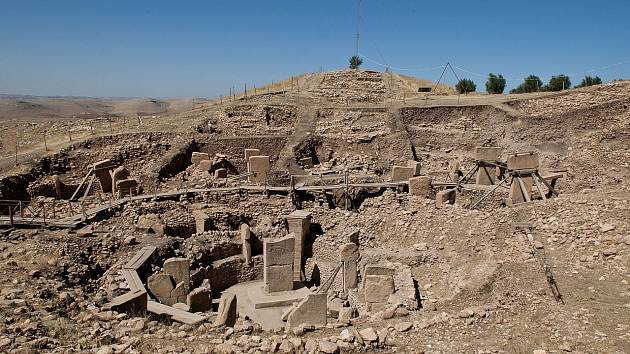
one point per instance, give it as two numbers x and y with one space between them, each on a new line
201 48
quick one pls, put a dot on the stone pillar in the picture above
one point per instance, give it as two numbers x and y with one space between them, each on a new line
299 224
246 242
522 162
197 157
486 175
125 187
349 255
57 184
249 153
202 221
445 196
102 170
416 165
420 186
259 166
179 269
400 173
118 174
278 264
220 173
378 285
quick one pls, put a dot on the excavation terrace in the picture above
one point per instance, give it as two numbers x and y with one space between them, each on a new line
336 212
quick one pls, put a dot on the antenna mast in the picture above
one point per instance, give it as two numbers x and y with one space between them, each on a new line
358 27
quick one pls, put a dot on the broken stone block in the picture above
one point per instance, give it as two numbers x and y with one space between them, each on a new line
197 157
178 294
199 300
420 186
151 224
443 197
416 165
310 311
278 251
246 242
118 174
179 269
278 278
226 315
205 165
126 187
102 171
220 173
378 288
132 302
202 221
306 162
259 166
400 173
161 285
334 307
348 313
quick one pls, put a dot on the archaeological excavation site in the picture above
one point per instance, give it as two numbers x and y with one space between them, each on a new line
334 212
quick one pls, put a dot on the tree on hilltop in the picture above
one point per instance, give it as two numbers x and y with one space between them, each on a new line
495 84
355 62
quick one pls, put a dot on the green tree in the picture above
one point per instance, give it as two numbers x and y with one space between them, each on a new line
355 62
558 83
495 84
532 83
590 81
465 86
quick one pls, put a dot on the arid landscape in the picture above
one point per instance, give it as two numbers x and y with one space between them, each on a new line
339 211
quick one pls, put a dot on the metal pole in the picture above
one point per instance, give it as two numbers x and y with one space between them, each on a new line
45 142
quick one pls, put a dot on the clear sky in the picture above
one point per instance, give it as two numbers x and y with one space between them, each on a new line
201 48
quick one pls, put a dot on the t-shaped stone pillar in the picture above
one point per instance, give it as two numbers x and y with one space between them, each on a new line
299 224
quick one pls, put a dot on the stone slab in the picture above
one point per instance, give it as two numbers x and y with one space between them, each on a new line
488 153
279 251
444 197
522 161
401 173
221 173
175 314
202 221
251 152
259 166
416 165
197 157
278 278
227 313
179 269
261 299
132 302
420 186
310 311
378 288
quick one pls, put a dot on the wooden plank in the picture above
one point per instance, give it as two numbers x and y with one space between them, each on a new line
74 195
140 257
175 314
133 279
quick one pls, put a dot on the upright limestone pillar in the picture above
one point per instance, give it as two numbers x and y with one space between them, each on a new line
299 224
